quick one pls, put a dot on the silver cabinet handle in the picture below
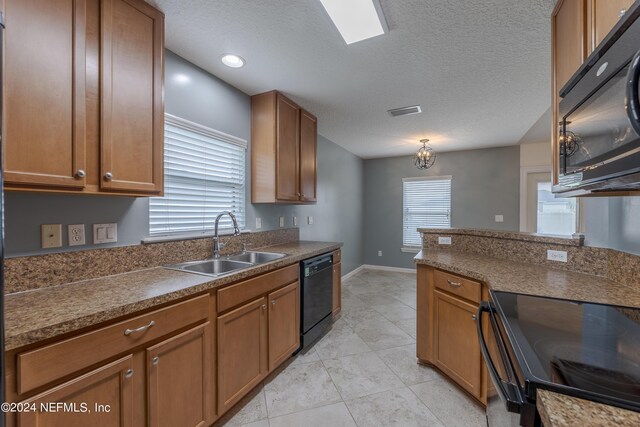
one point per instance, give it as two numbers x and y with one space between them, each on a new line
129 373
474 317
264 306
80 174
108 176
155 360
273 302
623 12
140 329
454 284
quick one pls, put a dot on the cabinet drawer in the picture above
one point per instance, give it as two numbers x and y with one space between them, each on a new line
465 288
50 363
242 292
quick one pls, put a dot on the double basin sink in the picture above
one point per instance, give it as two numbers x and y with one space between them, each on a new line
227 265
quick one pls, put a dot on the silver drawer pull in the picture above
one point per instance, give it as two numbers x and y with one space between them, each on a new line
140 329
454 284
129 373
155 360
474 317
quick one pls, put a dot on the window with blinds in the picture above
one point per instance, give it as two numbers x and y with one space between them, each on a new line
204 172
426 203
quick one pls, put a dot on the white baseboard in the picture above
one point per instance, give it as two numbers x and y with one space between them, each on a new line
353 272
386 268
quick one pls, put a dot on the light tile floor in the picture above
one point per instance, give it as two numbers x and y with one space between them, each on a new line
361 373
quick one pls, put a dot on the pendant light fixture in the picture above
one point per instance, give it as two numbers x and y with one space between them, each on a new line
425 157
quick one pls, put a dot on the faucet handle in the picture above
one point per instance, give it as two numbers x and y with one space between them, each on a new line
244 247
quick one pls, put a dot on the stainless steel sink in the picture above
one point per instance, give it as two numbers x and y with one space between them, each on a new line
256 257
227 265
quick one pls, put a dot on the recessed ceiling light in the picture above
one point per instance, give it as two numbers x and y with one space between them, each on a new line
233 61
356 19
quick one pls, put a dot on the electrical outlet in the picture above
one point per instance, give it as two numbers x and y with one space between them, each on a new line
75 233
105 233
281 221
560 256
499 218
444 240
258 223
51 235
295 221
379 253
310 220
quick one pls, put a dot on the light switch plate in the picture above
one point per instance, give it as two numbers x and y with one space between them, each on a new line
499 218
295 221
51 235
444 240
281 221
258 223
310 220
75 233
105 233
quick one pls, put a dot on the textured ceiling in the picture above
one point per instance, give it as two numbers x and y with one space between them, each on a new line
479 69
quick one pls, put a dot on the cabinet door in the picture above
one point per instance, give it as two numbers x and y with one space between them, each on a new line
337 288
287 143
107 392
242 351
606 14
308 144
456 346
569 39
132 118
284 323
44 94
179 380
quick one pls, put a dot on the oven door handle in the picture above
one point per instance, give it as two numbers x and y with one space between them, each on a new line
509 392
632 100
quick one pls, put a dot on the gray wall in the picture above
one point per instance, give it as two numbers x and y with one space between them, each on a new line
613 222
194 94
479 191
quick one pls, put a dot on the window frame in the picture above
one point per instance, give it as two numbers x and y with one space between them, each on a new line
186 125
412 248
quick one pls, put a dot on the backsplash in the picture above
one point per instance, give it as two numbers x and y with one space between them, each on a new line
41 271
532 248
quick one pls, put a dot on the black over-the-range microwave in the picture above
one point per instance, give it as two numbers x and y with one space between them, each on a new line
599 114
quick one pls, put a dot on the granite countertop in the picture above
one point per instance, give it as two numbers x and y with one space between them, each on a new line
555 409
560 410
37 315
510 276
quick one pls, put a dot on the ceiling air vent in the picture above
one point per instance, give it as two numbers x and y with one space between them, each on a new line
404 111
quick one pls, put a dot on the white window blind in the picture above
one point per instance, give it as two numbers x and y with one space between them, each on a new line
204 172
426 203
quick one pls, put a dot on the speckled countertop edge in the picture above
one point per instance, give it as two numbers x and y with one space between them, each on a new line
560 410
38 315
577 240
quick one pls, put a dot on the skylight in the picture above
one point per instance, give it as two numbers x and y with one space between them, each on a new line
356 20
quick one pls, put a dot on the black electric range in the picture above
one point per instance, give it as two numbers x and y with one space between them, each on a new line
587 350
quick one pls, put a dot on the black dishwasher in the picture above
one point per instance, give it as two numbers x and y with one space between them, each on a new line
316 298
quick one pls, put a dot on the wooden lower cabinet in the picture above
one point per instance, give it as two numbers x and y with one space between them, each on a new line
110 386
456 345
337 288
242 351
284 324
179 378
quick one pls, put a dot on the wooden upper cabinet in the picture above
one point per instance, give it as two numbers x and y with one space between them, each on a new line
283 151
284 323
132 107
308 156
569 39
83 96
110 386
287 149
605 15
180 380
44 96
